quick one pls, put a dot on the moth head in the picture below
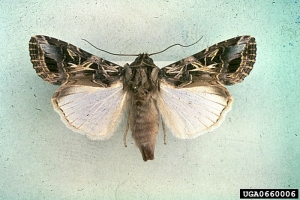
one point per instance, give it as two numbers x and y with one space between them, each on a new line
141 76
143 59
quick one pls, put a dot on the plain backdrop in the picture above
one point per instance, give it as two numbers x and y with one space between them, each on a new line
257 146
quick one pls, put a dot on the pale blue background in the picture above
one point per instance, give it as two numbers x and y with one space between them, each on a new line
257 146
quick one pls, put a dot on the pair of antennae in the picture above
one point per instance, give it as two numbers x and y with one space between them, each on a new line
120 54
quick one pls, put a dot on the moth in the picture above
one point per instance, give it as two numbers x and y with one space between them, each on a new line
188 96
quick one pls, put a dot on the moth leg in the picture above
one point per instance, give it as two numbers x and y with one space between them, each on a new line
164 130
125 133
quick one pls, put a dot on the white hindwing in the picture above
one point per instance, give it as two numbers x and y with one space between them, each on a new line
190 112
95 111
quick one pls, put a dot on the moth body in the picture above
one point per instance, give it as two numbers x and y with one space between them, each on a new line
141 82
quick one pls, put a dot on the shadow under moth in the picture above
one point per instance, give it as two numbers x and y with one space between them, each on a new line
187 97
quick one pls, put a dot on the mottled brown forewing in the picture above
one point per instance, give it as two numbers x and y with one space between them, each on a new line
227 63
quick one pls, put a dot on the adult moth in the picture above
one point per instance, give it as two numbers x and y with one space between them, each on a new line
188 96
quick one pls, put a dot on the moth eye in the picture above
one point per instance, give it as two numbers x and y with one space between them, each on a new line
134 89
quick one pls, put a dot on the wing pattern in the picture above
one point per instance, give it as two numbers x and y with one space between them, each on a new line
227 63
58 62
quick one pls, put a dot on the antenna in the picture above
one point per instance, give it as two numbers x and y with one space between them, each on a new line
115 54
121 54
175 45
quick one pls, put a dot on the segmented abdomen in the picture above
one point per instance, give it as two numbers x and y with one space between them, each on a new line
144 124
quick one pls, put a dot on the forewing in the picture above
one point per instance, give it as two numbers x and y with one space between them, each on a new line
59 62
227 63
190 112
94 111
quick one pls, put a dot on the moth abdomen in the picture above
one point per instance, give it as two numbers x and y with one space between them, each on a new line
144 124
